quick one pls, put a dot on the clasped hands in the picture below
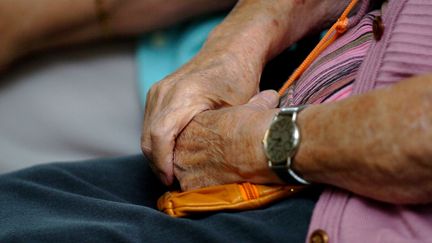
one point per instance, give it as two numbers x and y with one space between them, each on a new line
204 126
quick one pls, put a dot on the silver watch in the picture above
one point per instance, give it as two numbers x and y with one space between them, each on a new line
281 142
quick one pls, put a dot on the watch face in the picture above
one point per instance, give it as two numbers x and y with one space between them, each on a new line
281 139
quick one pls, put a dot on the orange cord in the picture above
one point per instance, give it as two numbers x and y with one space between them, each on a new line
338 29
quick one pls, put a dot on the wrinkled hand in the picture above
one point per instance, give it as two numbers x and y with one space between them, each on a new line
225 146
206 83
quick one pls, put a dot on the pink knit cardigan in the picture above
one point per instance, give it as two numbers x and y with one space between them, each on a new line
404 50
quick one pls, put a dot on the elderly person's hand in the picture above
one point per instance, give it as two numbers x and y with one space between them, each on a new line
224 146
206 83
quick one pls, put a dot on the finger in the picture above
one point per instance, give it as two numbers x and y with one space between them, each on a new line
162 147
267 99
154 104
163 135
145 131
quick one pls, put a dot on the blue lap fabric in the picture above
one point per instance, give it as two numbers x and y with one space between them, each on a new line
114 200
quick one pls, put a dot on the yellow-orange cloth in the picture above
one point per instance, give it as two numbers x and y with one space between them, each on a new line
231 197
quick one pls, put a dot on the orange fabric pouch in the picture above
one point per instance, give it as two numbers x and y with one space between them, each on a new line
246 196
231 197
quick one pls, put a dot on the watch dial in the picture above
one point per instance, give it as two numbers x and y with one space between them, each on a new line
282 139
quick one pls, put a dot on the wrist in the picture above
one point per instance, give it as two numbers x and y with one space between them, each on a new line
266 28
281 143
248 34
263 121
257 30
306 162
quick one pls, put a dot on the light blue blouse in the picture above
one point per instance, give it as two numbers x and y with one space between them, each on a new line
162 52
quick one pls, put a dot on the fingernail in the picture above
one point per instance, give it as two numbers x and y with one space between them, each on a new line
271 96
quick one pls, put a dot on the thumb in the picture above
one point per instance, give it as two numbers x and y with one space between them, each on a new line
267 99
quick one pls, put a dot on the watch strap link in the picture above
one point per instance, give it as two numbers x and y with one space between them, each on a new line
285 173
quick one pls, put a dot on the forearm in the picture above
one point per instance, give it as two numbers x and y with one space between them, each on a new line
131 19
31 26
377 144
257 30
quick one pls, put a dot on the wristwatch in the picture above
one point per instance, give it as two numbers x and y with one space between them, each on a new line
281 142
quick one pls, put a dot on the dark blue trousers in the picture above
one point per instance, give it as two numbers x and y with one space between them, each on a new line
114 200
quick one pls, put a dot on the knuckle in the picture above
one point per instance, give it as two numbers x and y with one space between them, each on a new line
154 87
164 86
161 86
155 134
145 149
144 138
159 131
146 146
